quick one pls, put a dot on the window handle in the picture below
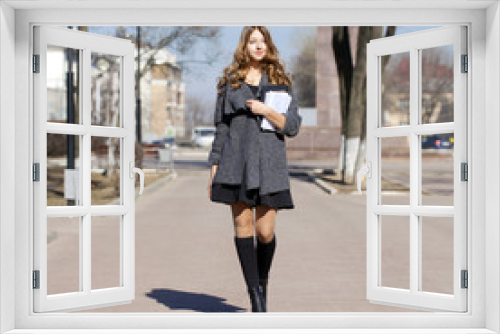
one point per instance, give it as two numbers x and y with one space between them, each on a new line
139 171
367 170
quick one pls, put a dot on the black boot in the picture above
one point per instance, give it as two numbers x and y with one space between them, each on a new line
263 286
248 260
265 253
257 299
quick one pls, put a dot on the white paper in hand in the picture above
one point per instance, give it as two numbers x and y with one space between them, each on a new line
278 101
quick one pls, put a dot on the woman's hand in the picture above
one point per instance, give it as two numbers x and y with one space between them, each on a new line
257 107
212 174
210 188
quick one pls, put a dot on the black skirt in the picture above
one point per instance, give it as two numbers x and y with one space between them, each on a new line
232 193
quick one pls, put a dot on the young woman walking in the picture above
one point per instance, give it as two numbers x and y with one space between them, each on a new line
249 167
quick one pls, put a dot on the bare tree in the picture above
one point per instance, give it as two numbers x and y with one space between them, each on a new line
437 85
352 85
179 41
198 111
303 67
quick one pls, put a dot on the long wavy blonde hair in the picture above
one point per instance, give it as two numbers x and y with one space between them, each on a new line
237 71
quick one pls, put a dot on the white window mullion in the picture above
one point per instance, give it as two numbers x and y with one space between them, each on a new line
397 210
432 128
434 211
107 131
127 100
85 236
421 129
77 129
66 211
85 254
415 242
373 119
66 129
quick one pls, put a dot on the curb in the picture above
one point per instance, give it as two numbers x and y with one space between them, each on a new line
322 184
157 184
149 188
332 190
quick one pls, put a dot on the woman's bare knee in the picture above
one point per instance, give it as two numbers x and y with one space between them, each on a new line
265 222
243 218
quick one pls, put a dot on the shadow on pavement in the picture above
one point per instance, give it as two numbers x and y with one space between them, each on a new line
200 302
300 176
304 172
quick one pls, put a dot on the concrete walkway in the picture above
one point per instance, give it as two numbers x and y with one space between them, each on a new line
186 259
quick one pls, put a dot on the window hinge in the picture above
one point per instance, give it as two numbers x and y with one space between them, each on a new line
36 63
465 62
465 280
36 279
36 171
465 175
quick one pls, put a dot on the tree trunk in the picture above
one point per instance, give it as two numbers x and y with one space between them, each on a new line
342 52
352 86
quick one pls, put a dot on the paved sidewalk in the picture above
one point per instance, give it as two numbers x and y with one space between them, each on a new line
186 259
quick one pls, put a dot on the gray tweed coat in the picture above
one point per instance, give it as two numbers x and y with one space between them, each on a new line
240 142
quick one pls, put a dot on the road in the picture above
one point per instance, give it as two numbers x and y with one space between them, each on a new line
186 259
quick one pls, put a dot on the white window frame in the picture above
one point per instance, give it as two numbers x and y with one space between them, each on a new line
85 44
412 214
483 120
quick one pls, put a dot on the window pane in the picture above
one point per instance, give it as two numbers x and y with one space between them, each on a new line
395 89
395 170
63 72
105 90
395 251
63 254
105 171
106 249
437 84
63 186
437 169
437 254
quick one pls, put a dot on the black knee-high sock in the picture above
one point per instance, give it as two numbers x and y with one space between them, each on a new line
265 252
248 260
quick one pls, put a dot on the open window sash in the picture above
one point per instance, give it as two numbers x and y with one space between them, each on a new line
84 47
414 297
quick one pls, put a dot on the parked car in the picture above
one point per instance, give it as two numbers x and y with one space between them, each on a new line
164 142
203 136
441 141
168 142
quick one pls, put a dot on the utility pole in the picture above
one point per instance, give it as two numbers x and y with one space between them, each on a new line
138 108
70 110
